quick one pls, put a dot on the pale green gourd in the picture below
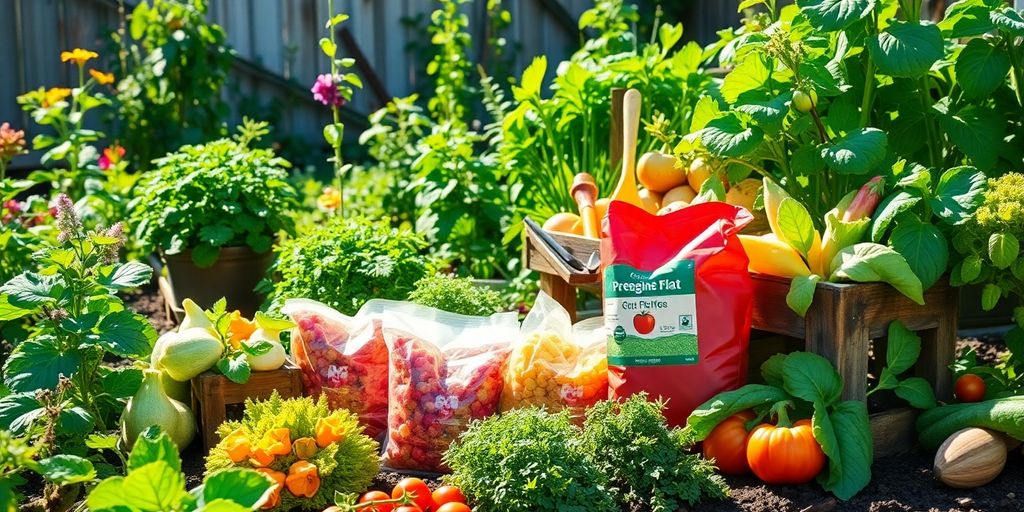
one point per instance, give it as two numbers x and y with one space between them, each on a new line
158 348
195 317
191 352
273 358
151 406
180 391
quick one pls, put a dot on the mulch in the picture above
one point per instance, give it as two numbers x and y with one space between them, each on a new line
900 483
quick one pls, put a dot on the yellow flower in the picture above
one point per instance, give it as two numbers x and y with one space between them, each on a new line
329 430
54 95
277 441
303 479
304 447
101 77
78 56
275 490
236 444
329 200
259 457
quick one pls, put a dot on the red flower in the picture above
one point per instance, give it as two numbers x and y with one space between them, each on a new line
111 156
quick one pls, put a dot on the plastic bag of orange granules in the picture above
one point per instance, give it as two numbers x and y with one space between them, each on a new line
554 364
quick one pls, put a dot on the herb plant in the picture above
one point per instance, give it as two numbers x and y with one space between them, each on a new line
345 263
903 347
155 477
808 385
645 460
79 320
527 459
223 193
172 64
457 295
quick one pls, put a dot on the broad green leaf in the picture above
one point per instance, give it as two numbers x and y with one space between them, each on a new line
122 382
856 450
1003 249
875 263
67 469
333 133
127 334
102 442
328 47
806 161
270 323
152 446
887 379
812 378
888 209
825 435
727 137
966 18
746 4
669 34
30 289
906 49
704 111
127 275
801 293
155 486
919 179
749 75
75 421
977 131
38 364
710 190
1008 20
916 391
768 114
857 152
337 18
9 311
224 505
981 68
216 234
709 414
205 255
960 192
18 411
533 77
832 15
990 296
256 347
970 268
139 20
795 225
773 368
242 486
235 368
903 348
925 249
840 234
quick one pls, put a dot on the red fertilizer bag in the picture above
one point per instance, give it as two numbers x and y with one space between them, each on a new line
677 303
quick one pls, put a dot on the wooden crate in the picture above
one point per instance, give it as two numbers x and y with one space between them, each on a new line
212 393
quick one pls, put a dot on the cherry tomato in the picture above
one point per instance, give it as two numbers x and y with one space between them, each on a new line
408 508
448 494
784 455
454 507
804 101
417 490
377 496
969 388
727 444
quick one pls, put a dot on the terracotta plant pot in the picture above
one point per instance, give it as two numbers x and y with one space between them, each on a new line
234 275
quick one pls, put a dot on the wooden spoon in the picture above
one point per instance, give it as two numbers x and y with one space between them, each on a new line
627 189
583 191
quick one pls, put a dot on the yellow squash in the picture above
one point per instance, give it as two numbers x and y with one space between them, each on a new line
771 256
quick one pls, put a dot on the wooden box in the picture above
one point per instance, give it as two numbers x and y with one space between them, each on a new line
212 393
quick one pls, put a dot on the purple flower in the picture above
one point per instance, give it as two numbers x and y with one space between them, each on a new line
110 253
67 221
325 90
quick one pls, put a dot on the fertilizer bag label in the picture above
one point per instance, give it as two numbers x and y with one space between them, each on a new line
651 316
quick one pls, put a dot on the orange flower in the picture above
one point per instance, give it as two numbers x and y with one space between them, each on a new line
329 430
275 490
277 441
259 457
236 444
55 94
101 77
303 479
329 200
240 328
78 56
304 447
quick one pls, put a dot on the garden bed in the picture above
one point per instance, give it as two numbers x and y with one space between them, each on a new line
899 483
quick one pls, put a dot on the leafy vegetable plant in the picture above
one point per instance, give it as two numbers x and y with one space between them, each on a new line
457 295
213 195
903 347
809 386
155 479
17 458
72 296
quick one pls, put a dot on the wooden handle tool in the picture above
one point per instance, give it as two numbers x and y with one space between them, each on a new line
584 192
627 189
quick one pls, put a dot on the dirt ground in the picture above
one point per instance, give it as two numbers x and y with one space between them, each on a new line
901 483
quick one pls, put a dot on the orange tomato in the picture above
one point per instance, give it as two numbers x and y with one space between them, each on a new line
969 388
784 455
417 489
376 496
448 494
727 444
454 507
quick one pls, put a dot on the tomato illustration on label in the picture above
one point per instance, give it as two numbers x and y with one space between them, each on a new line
643 322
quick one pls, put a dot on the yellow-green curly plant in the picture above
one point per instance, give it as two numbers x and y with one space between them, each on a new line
347 464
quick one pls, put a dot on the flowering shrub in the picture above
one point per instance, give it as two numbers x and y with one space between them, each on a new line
12 144
309 451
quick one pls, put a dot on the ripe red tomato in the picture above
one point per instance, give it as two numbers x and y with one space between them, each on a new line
454 507
727 444
784 455
643 322
377 496
417 490
408 508
969 388
448 494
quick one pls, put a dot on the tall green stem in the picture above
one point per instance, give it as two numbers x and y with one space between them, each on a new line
934 152
336 115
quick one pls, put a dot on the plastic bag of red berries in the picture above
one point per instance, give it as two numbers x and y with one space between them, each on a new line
445 370
344 358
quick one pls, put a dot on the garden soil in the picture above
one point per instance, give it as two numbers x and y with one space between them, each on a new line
901 483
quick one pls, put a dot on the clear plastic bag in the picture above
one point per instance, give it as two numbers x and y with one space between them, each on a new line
345 358
555 364
445 370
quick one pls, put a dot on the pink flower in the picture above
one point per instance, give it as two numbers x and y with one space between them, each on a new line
326 91
67 221
12 142
111 156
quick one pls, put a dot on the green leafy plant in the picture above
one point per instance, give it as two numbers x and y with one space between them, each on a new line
345 465
18 458
345 263
173 64
155 479
62 388
903 347
645 460
213 195
807 384
457 295
527 459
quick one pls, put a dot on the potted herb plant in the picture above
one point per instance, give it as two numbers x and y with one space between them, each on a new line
213 212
